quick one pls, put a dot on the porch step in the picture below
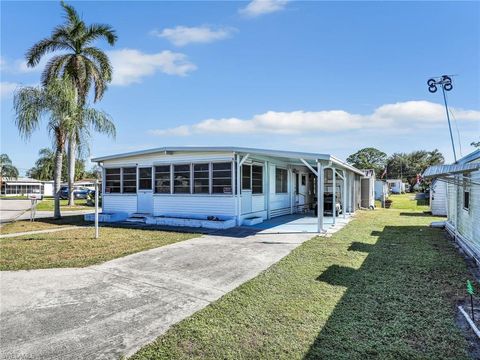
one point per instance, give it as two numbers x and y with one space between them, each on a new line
138 217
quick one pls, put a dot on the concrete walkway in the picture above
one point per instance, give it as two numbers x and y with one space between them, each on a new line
10 209
112 309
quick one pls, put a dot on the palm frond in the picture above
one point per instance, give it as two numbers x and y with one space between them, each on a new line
97 31
100 121
35 53
101 60
71 14
29 105
54 68
100 84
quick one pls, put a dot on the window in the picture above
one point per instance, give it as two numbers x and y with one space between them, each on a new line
222 178
246 177
201 178
145 178
466 199
181 179
297 183
129 180
281 178
162 179
257 179
112 181
304 180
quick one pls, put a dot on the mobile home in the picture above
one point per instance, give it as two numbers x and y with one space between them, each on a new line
239 184
463 200
438 198
396 186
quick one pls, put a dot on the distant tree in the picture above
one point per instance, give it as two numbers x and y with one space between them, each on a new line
408 166
94 173
45 165
475 144
369 158
7 170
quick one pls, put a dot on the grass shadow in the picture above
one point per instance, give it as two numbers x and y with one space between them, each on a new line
392 306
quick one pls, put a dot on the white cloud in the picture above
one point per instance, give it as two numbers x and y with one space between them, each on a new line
7 89
260 7
130 65
409 114
182 35
19 66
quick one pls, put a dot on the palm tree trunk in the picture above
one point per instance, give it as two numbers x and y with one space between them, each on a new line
71 169
57 179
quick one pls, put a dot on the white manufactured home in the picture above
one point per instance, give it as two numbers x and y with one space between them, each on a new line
463 200
438 198
242 185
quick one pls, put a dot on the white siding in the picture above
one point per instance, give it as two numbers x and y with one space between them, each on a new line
158 158
438 198
194 204
468 223
119 203
258 203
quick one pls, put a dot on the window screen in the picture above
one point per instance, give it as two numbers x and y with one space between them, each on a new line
145 178
281 178
257 179
201 178
112 180
162 179
466 199
222 178
181 176
246 177
130 180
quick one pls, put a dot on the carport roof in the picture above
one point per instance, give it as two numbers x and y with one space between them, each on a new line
241 150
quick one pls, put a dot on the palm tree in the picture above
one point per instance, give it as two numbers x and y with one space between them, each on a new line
84 64
7 170
58 100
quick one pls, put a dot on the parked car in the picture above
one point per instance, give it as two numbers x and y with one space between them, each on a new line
78 192
327 205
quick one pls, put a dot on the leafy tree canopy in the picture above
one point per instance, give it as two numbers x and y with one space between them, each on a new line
45 165
7 170
369 158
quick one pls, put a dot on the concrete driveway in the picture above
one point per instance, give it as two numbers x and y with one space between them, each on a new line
11 209
112 309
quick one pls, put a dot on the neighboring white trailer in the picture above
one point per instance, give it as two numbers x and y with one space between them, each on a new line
438 198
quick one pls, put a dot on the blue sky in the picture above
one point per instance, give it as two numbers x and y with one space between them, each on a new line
328 77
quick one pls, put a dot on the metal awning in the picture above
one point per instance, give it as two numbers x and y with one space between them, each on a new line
446 170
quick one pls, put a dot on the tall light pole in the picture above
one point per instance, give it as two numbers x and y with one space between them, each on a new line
445 82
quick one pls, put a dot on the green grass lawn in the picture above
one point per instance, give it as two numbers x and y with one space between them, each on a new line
43 224
78 247
47 205
384 287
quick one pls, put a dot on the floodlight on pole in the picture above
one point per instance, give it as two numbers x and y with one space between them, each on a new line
445 82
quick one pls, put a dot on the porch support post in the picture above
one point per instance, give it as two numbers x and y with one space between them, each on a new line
267 188
344 195
292 188
320 190
334 195
238 180
353 195
237 190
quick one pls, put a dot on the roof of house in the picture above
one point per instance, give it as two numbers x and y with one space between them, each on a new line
22 181
475 155
241 150
461 166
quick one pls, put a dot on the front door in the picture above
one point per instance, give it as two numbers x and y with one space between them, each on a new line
145 190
